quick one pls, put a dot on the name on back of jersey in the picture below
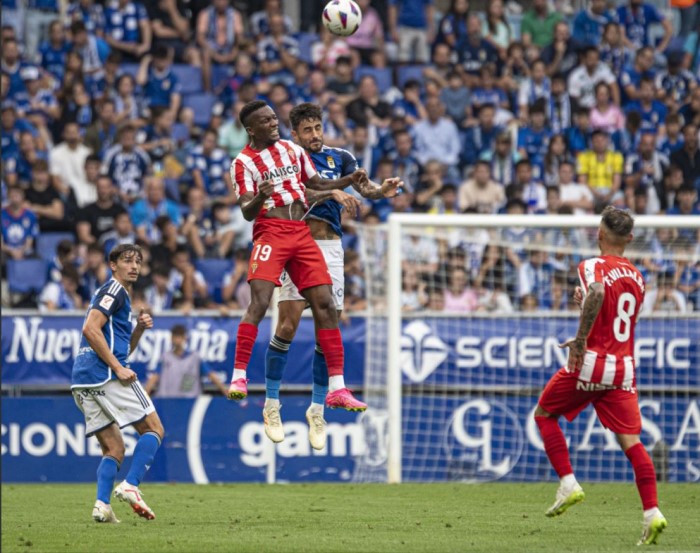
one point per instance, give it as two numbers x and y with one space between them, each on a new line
623 272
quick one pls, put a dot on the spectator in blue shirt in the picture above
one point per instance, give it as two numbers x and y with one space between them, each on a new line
652 111
40 14
578 137
13 16
613 51
127 29
410 105
89 47
12 127
674 139
53 52
675 84
219 33
453 26
533 139
480 139
126 164
631 76
146 210
209 166
475 52
278 53
37 104
161 87
406 165
90 13
20 226
157 138
636 18
11 66
486 90
589 24
411 27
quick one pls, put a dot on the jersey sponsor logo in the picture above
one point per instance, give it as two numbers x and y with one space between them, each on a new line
281 172
106 302
422 352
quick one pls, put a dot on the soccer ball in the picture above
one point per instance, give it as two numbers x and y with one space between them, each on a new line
342 17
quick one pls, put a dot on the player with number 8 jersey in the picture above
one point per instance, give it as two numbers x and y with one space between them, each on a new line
600 371
275 181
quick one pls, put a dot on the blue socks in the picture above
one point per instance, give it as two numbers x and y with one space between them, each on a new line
144 452
320 370
106 473
275 362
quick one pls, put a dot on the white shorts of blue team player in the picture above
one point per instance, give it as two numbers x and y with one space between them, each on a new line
112 402
332 251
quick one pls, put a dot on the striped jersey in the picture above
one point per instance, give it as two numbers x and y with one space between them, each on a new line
609 357
284 163
89 370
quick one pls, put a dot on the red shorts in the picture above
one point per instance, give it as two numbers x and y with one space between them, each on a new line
280 244
617 409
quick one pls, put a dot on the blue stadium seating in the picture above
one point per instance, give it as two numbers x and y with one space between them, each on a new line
129 68
408 72
202 105
213 271
26 275
190 78
219 75
46 243
381 76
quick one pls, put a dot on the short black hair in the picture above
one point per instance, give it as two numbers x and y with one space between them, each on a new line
64 247
178 330
125 250
161 51
304 112
249 109
93 158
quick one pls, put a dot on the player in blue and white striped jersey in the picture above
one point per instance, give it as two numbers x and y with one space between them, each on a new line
324 222
108 392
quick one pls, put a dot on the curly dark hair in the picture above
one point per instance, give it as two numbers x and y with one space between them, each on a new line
125 250
304 112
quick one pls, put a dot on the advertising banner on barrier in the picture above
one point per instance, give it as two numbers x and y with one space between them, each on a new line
524 352
39 350
517 352
462 438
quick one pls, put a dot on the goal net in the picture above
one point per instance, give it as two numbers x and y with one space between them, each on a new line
465 314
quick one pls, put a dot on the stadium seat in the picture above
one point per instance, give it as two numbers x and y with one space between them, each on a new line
213 271
46 243
201 104
219 75
26 275
306 40
408 72
129 69
190 78
381 76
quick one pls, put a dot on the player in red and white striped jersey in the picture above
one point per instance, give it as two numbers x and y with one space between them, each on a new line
275 181
600 371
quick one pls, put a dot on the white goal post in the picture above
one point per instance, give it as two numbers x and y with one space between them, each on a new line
390 318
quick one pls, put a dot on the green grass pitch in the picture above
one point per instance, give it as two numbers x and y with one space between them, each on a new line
308 518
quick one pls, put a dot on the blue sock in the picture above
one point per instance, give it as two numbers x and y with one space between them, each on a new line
106 473
144 452
275 362
320 370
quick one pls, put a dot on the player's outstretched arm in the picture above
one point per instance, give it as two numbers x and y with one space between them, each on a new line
591 308
317 183
374 191
143 322
92 330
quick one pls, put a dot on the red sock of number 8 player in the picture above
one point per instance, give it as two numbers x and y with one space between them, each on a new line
644 474
331 343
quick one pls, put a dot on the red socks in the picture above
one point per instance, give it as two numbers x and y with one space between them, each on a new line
555 445
332 345
644 474
245 340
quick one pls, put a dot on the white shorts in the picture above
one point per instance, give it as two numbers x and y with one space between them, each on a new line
332 251
123 404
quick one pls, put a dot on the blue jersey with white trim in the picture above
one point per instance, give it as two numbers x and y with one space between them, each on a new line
89 369
332 163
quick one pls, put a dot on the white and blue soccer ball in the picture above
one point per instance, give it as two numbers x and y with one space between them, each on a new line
342 17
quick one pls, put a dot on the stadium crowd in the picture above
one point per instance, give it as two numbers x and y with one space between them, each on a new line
119 123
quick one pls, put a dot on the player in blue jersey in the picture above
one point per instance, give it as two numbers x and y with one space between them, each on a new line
324 223
108 392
